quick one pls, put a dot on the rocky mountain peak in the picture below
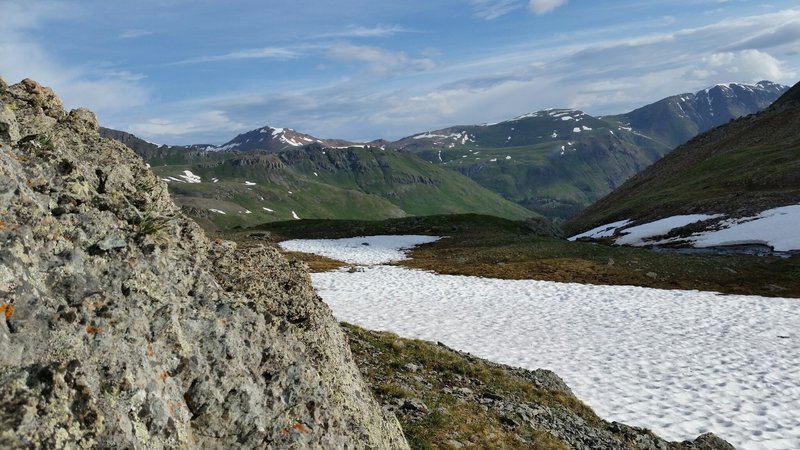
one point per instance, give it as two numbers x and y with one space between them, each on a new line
271 139
124 326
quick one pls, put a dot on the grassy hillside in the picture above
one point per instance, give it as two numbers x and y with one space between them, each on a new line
316 182
555 162
742 168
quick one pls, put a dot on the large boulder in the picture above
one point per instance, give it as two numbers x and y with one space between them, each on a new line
123 326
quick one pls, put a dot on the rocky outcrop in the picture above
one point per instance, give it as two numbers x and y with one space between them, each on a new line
123 326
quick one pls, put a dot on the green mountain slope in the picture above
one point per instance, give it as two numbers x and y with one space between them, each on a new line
555 162
225 189
739 169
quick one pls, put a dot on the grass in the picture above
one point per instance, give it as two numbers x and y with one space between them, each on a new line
384 359
315 263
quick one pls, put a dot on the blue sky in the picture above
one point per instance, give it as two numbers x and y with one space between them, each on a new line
201 71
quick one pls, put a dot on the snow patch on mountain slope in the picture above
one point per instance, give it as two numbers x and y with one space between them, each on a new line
777 228
603 231
640 234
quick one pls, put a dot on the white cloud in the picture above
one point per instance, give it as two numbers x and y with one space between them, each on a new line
254 53
378 60
747 65
22 56
366 32
162 129
133 34
540 7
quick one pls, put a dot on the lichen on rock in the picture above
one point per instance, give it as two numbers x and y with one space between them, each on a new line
130 328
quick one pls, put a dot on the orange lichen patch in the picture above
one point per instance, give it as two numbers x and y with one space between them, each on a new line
7 309
94 330
163 375
150 352
173 407
2 225
299 427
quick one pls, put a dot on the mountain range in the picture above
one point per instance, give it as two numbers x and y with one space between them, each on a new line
554 163
559 161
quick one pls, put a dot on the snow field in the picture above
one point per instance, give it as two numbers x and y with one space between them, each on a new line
363 251
677 362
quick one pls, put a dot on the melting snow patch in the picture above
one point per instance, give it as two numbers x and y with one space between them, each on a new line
603 231
585 128
249 183
638 235
554 135
190 177
316 174
295 216
215 180
218 211
508 157
266 209
493 160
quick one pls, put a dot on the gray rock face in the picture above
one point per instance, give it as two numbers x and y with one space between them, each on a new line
123 326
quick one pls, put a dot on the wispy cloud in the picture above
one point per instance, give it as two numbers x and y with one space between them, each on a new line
540 7
492 9
366 32
103 89
195 124
785 34
133 34
280 53
378 60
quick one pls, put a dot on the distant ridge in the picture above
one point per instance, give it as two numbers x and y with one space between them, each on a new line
676 119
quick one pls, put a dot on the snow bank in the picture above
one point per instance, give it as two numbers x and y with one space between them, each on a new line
778 228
